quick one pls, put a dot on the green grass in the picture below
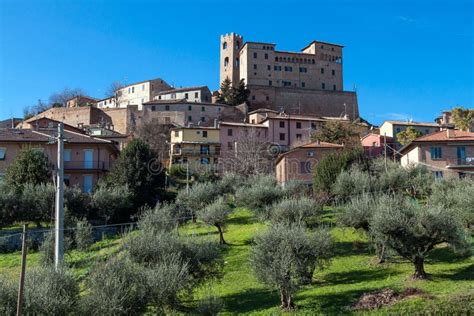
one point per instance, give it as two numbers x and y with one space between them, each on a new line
351 273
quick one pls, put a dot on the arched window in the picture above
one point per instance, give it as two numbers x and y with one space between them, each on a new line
226 61
224 45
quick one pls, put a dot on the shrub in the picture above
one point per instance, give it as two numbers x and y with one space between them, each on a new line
83 235
285 256
215 214
114 203
49 291
8 297
330 166
118 287
293 211
413 231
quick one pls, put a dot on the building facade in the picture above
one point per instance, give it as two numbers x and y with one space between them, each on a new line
86 159
189 94
299 163
309 81
134 94
448 153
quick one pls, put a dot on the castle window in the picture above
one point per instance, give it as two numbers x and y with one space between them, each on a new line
254 55
226 61
323 86
224 45
266 56
333 72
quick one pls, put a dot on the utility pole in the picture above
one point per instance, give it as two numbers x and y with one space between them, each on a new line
385 150
19 304
59 236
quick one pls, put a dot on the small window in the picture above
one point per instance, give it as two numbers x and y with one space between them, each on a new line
3 152
204 133
67 154
298 125
436 153
282 124
282 136
229 132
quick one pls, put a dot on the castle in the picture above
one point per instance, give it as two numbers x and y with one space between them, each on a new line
306 82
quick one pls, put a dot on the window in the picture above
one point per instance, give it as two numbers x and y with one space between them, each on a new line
282 136
438 174
185 95
254 66
67 155
230 132
167 107
305 167
254 55
334 87
203 109
323 86
299 136
196 95
224 45
269 82
322 70
303 84
436 153
282 124
266 56
226 61
87 183
333 72
277 68
3 152
204 133
298 124
153 108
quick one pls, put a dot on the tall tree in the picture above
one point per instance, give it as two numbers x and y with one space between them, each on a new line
408 135
338 132
139 169
463 118
30 166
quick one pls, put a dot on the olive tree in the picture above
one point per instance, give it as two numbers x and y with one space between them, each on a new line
413 230
293 210
215 214
285 256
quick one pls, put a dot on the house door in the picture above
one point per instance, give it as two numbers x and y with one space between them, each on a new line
461 155
88 158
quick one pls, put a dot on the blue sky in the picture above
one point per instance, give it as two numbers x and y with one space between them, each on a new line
407 59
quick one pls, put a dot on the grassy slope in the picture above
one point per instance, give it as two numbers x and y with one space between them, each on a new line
350 274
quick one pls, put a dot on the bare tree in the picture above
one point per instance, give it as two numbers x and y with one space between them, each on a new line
251 154
115 92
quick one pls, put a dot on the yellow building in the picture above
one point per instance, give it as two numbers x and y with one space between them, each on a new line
194 145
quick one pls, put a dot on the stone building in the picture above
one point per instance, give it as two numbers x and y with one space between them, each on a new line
306 82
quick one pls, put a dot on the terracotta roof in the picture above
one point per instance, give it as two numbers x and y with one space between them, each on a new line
182 89
43 135
443 136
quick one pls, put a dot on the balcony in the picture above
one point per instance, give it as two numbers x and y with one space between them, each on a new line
467 162
93 165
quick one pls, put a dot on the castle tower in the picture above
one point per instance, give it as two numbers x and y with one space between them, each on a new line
230 62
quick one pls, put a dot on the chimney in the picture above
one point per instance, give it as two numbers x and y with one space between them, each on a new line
449 132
